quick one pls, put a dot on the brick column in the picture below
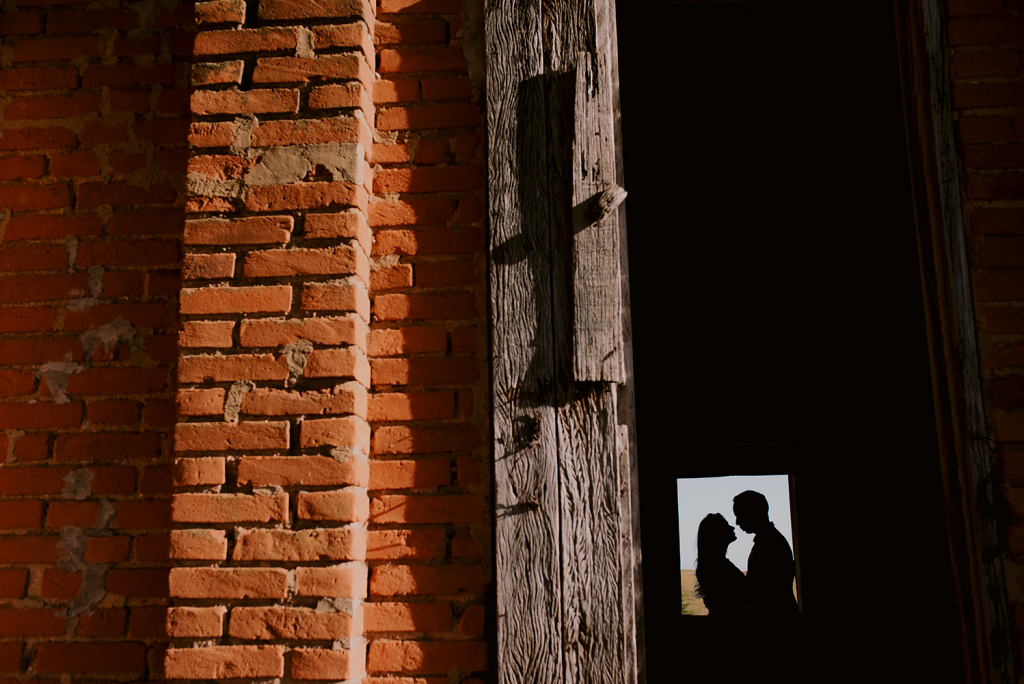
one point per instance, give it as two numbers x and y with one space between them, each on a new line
272 442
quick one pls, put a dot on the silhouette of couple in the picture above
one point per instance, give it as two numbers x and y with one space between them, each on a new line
765 593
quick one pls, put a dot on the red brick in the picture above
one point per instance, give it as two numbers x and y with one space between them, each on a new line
113 658
340 260
347 580
149 315
219 134
397 277
446 88
233 508
999 286
426 656
407 617
986 63
137 582
113 412
106 446
1002 319
14 514
41 415
148 623
15 622
414 406
409 32
245 231
13 582
81 21
996 186
211 73
268 299
405 60
301 470
142 514
443 179
446 274
341 95
966 7
37 349
993 156
472 621
246 40
311 9
187 621
400 439
136 101
125 75
34 197
342 544
224 436
346 505
21 23
306 132
220 12
429 116
192 472
33 257
118 381
147 222
105 622
19 168
391 580
348 294
305 69
291 623
46 78
152 548
349 224
73 513
270 332
224 662
208 266
421 6
107 549
431 371
11 651
391 92
50 137
401 307
38 107
265 583
207 334
75 164
313 663
986 31
978 95
264 101
16 383
313 195
427 509
230 368
102 133
123 193
197 545
349 431
163 131
400 544
27 319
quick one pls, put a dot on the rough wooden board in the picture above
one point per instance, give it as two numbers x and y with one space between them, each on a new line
525 452
597 324
595 648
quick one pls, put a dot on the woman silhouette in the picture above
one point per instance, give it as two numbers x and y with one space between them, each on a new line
720 583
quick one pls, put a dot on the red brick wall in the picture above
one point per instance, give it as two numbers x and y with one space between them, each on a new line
429 551
92 155
986 39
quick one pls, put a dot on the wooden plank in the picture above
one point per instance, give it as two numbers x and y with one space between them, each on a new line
597 314
966 460
528 572
592 589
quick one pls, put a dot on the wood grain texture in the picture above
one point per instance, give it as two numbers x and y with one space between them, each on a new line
597 315
527 559
564 538
966 461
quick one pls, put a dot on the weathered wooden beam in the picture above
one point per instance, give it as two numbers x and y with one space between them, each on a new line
597 314
527 553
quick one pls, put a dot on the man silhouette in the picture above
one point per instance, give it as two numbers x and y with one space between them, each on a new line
770 567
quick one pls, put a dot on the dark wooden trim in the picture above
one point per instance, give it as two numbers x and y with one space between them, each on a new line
977 551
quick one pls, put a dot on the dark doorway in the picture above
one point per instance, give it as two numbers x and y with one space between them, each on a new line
778 322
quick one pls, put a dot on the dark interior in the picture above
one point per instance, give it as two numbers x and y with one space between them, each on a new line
778 322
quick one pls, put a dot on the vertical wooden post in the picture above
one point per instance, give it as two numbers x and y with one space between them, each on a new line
564 556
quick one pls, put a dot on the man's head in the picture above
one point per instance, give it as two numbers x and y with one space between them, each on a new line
751 510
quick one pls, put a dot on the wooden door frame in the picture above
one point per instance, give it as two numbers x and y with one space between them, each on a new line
976 538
